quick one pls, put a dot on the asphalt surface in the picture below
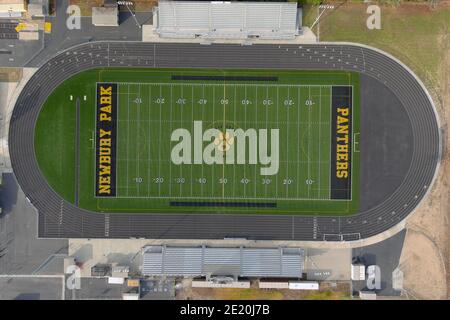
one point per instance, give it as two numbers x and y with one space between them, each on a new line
23 288
20 53
386 255
95 289
418 137
20 252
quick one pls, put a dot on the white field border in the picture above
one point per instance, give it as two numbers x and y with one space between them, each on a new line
221 197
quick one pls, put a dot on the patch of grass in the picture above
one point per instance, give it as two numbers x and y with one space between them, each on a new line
327 295
86 6
247 294
55 142
147 179
144 5
10 74
413 32
139 6
339 292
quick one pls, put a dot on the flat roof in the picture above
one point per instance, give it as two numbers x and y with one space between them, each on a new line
227 19
239 262
105 15
12 5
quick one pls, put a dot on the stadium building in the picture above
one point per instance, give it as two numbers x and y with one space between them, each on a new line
12 8
215 261
106 15
227 20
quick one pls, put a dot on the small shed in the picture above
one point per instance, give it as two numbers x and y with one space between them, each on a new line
106 15
12 8
38 8
101 270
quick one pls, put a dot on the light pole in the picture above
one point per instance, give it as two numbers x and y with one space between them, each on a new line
132 13
319 14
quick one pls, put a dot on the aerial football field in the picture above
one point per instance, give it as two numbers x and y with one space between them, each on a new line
204 141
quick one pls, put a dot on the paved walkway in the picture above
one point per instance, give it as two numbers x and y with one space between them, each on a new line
9 92
77 152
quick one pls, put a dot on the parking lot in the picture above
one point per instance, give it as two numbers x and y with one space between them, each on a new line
158 289
25 288
8 30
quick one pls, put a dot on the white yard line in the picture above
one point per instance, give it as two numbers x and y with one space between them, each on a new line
267 117
181 167
213 177
170 130
309 141
298 139
192 129
128 135
149 140
331 137
253 122
137 140
234 118
159 142
233 84
278 111
229 198
117 140
320 141
223 155
287 144
245 126
256 116
352 151
203 110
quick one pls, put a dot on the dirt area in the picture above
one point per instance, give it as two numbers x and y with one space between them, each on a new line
10 74
327 291
423 267
86 5
445 93
139 5
145 5
409 31
417 34
426 249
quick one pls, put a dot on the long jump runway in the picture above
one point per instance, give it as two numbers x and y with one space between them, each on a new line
396 113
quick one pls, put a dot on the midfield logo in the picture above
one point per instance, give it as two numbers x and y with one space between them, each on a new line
229 147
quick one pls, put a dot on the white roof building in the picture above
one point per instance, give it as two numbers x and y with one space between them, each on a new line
227 20
12 8
107 15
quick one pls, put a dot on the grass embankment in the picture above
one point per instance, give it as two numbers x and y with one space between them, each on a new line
415 33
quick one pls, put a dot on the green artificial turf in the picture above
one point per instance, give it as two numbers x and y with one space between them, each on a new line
151 106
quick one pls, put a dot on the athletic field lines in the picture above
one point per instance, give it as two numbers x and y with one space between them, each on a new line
148 114
138 127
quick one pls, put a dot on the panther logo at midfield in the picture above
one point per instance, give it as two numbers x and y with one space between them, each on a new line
224 141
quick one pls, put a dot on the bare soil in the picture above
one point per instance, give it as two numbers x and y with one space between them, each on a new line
10 74
327 291
139 5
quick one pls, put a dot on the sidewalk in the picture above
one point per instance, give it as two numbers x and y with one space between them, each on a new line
9 92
